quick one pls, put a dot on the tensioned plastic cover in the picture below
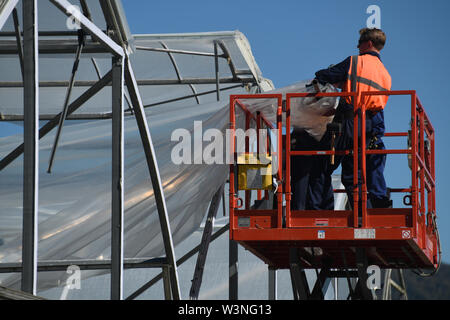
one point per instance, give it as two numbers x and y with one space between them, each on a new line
75 199
308 113
147 65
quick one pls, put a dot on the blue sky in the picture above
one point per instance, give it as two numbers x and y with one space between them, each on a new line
292 39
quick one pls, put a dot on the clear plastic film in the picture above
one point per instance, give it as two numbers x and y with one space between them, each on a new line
75 199
308 113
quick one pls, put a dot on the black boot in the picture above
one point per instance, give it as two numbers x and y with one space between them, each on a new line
381 203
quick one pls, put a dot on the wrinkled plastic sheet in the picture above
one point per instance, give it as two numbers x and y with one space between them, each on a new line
75 200
306 113
147 65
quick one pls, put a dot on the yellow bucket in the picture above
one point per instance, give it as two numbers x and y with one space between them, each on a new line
254 172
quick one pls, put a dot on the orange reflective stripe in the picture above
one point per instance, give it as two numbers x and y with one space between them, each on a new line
367 73
370 83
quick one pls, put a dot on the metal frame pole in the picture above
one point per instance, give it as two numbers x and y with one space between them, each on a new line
361 289
386 293
18 39
152 164
31 147
180 261
117 179
272 283
233 270
389 283
204 245
300 288
177 71
166 283
216 65
99 85
91 28
336 288
141 82
66 101
7 11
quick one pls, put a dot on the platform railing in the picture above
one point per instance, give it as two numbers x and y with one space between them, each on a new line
236 102
421 152
289 152
423 170
422 164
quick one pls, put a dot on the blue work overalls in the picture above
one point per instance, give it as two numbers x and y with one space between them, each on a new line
376 185
310 182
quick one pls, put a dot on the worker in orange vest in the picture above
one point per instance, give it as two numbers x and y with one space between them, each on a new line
359 73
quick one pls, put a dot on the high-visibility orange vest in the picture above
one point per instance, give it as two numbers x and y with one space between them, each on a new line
368 74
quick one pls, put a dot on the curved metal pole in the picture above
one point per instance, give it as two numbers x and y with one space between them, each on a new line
152 164
178 71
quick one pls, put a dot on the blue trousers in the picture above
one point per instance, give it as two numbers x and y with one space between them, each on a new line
310 182
375 164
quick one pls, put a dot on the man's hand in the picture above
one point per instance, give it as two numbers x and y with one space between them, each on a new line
330 112
338 85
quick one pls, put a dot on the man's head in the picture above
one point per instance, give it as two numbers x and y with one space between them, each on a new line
371 39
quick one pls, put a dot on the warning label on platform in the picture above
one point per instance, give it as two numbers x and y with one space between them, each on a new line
364 234
243 222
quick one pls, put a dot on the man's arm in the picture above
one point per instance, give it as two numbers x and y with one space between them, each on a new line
335 74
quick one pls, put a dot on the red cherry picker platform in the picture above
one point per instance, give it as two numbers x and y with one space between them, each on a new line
335 241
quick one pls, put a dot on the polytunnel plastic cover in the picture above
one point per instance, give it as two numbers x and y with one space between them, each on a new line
75 199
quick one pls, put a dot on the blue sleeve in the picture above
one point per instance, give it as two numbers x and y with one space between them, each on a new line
335 73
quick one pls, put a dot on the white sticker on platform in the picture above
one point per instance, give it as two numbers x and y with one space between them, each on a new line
364 234
406 234
321 234
243 222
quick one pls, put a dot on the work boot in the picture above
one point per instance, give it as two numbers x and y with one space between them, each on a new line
381 203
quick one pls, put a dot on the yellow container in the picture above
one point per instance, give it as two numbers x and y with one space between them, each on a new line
254 172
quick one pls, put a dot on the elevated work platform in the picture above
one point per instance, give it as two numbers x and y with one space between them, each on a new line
389 237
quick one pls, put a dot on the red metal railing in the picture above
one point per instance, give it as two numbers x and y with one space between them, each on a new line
289 153
422 190
422 167
420 128
236 100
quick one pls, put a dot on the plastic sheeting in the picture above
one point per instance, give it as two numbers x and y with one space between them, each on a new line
75 200
306 113
147 65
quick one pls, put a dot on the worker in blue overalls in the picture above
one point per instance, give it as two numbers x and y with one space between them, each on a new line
310 184
364 72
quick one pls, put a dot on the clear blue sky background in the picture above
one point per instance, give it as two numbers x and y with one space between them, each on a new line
292 39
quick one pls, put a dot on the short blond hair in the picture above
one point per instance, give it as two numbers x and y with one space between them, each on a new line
377 36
